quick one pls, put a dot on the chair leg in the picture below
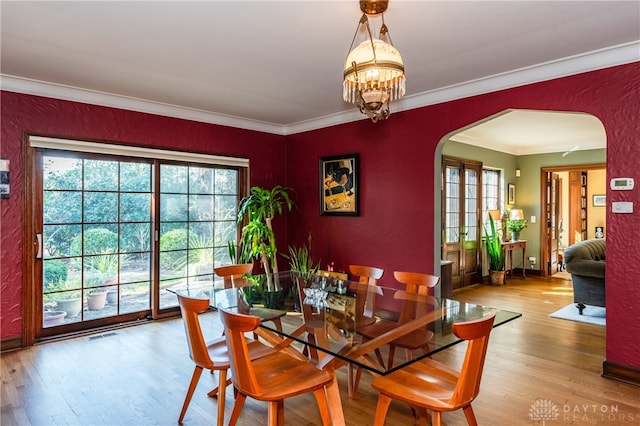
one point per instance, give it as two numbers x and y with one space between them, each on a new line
237 408
356 382
392 350
423 415
276 413
471 418
222 386
323 406
313 352
213 392
277 323
436 418
379 355
381 409
192 387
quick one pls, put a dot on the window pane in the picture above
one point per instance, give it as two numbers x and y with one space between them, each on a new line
173 179
200 180
135 207
57 239
226 207
226 181
135 177
100 207
200 207
100 175
174 207
62 173
135 237
62 206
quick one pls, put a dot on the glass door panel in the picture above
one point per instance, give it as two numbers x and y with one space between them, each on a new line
96 238
198 210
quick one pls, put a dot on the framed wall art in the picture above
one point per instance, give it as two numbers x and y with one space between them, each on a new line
599 200
339 185
511 194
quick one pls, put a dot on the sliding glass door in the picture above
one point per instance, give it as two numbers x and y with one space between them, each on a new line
115 232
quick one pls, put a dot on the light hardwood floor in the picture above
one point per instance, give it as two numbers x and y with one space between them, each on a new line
139 375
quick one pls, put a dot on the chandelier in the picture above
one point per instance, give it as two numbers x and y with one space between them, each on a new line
373 71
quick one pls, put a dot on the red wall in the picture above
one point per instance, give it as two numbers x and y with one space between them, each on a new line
396 222
395 227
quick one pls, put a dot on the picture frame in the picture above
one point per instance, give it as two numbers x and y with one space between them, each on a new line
339 185
511 193
599 200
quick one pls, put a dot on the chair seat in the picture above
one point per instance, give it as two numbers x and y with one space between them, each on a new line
219 352
414 340
426 381
290 378
267 314
374 330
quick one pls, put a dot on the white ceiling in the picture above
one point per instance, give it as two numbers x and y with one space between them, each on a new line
276 66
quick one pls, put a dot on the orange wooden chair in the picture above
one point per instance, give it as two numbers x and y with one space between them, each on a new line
366 275
416 284
431 385
271 378
233 277
211 355
420 284
366 306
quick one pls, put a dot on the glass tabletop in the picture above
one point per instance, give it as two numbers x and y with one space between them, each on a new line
349 320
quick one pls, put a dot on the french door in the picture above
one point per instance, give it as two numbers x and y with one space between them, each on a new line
461 206
552 219
113 233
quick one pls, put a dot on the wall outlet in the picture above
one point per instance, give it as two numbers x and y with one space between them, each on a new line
532 260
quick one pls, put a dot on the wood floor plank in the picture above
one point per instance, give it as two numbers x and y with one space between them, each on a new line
139 375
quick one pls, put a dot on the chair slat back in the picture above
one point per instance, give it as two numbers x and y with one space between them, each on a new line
477 333
416 283
366 275
242 372
190 308
232 275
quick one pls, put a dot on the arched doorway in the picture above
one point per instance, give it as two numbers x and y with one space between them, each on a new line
524 141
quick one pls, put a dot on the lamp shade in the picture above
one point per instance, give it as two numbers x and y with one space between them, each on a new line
373 71
517 214
495 214
365 70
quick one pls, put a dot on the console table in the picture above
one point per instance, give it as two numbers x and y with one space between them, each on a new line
509 247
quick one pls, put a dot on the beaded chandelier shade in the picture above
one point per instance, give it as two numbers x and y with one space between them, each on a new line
373 71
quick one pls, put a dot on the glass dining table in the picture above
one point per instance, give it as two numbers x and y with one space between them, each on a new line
327 318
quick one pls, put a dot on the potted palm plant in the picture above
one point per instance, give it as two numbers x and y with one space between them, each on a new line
496 254
258 240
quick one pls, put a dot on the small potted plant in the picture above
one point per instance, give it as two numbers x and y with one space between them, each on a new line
97 299
496 254
515 226
300 260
